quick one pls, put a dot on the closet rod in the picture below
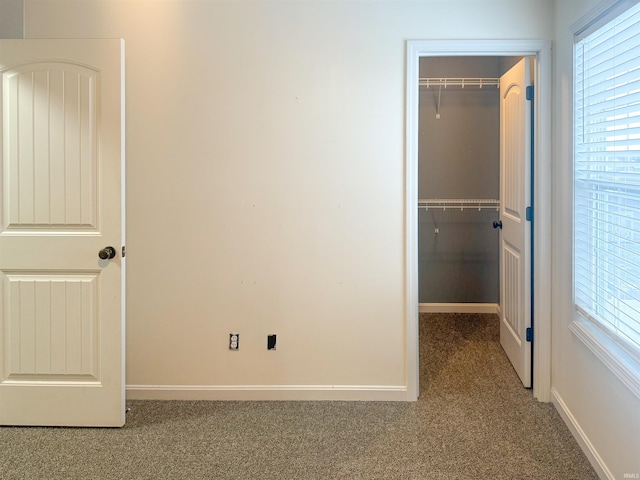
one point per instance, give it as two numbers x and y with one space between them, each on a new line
461 203
459 82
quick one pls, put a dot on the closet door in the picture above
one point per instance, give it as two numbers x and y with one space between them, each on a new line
61 233
515 197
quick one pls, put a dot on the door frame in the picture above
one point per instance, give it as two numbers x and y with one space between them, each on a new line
541 51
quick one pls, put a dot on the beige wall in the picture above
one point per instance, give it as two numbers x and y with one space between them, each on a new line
265 179
585 390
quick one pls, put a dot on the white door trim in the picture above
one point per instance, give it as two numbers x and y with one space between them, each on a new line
541 50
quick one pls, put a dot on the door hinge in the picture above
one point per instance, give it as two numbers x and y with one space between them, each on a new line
529 214
124 251
529 334
529 92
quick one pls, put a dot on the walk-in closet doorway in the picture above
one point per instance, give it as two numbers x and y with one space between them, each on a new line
472 201
474 175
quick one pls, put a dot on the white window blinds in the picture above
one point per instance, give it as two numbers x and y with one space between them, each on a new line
607 178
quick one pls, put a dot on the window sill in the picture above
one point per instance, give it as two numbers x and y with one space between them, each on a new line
623 364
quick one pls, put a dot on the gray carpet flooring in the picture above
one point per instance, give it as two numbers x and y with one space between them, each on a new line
474 420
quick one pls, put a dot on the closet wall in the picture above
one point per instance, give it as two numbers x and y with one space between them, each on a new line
11 19
459 158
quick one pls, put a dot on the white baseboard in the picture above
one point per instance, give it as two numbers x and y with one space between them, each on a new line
585 444
267 392
459 308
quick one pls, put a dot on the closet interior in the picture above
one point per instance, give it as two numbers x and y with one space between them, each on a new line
459 179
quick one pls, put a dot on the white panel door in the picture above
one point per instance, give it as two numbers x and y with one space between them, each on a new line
515 197
61 305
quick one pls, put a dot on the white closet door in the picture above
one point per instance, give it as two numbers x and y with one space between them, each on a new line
515 239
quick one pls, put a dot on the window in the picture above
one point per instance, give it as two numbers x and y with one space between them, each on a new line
606 226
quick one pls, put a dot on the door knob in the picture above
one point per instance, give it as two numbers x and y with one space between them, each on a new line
107 253
497 224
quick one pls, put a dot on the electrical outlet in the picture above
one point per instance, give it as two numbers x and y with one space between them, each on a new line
234 341
271 342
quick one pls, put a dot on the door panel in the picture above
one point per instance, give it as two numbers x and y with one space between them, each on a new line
50 111
515 196
52 326
61 312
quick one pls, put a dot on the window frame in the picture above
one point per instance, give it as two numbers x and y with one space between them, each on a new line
622 359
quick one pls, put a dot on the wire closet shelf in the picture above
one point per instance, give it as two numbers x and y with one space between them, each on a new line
459 203
459 82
